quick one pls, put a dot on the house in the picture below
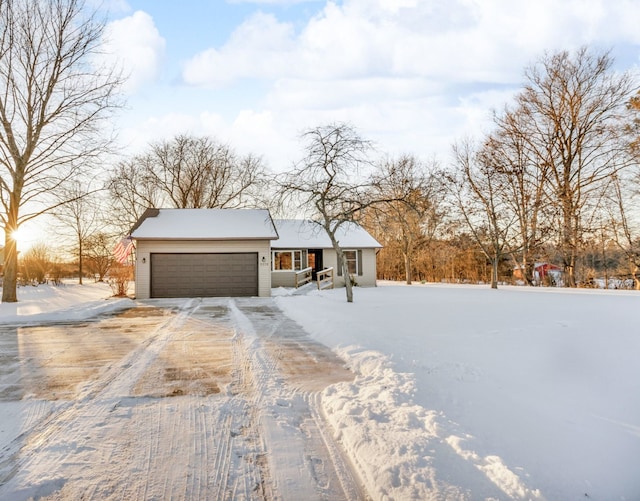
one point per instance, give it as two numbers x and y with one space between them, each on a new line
304 243
203 253
238 252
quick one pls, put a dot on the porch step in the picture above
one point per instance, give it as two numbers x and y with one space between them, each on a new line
305 289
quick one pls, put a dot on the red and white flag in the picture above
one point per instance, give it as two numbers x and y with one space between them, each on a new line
123 249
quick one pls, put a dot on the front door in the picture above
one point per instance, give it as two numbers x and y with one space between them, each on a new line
315 262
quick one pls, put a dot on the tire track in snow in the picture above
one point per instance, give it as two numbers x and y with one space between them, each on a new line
305 461
121 380
343 467
35 456
260 438
253 473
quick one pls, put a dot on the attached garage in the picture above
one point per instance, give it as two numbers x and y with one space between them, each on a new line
203 253
204 275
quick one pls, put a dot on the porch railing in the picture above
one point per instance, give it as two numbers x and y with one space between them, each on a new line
303 276
325 279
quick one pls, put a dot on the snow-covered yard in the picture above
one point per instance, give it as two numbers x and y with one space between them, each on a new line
461 392
535 391
67 302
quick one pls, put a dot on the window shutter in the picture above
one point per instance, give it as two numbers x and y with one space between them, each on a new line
359 256
339 265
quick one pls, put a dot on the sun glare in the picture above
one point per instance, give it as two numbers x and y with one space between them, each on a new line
18 235
23 238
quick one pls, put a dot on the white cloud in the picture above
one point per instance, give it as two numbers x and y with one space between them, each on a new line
135 44
257 48
273 2
466 40
136 138
249 132
399 115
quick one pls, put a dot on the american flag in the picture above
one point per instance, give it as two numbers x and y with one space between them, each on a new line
123 249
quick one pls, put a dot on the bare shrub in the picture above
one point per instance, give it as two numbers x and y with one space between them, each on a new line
119 278
36 264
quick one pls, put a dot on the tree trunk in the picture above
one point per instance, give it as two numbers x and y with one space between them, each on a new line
10 278
527 271
634 274
494 273
347 280
570 273
342 262
407 268
569 242
80 261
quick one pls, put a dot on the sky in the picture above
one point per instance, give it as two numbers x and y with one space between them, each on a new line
413 76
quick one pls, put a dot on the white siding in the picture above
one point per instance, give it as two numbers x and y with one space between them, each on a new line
146 247
369 276
369 273
283 279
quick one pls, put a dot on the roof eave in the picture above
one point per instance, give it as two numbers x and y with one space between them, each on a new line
210 239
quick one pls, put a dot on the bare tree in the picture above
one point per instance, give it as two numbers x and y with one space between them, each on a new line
508 150
626 234
197 172
480 191
330 184
131 192
633 125
413 211
186 172
575 106
80 216
99 253
54 100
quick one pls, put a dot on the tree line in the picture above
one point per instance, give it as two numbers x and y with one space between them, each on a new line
554 180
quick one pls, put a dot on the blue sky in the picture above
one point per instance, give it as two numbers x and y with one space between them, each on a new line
412 75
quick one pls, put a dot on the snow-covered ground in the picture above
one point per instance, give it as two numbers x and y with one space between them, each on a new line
66 302
461 392
480 393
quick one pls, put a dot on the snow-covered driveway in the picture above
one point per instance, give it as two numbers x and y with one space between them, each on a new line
172 399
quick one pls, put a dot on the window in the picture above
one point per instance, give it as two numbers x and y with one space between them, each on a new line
282 261
351 257
287 260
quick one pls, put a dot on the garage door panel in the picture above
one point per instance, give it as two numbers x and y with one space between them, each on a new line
204 275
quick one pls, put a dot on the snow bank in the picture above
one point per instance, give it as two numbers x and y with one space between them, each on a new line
397 445
390 439
57 303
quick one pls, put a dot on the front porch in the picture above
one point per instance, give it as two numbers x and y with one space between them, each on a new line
324 278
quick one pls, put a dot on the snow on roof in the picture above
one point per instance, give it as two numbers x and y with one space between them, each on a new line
206 224
305 234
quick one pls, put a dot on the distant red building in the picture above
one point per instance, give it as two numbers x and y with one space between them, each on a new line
542 272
